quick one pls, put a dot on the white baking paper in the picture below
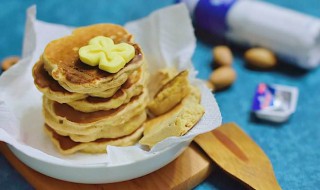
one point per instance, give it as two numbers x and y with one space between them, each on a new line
167 38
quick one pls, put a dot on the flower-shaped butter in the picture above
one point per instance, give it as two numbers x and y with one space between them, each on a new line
109 56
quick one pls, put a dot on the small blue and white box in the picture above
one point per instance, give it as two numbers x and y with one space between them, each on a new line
274 102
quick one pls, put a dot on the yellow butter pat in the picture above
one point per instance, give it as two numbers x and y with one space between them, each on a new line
109 56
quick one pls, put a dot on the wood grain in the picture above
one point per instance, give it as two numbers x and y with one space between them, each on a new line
187 171
236 153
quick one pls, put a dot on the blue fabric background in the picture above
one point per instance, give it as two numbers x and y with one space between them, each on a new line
293 147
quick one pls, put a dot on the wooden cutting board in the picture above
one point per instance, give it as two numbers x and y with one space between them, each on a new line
186 172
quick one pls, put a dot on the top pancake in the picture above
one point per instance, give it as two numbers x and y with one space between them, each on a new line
52 89
61 60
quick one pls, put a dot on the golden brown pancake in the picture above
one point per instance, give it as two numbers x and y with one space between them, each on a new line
52 89
176 122
170 94
61 60
132 87
108 131
64 118
158 79
66 146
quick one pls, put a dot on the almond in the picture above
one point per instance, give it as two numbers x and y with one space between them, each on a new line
8 62
223 77
260 58
222 56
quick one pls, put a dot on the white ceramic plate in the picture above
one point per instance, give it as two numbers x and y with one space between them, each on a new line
102 173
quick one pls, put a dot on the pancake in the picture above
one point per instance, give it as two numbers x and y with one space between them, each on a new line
66 119
176 122
109 131
107 93
66 146
52 89
170 94
61 60
158 79
132 87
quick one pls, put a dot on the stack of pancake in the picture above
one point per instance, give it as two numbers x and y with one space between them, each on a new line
86 108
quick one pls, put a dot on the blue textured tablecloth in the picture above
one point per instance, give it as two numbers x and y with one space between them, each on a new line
293 147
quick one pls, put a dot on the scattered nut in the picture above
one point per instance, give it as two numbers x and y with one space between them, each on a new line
222 56
223 77
210 85
8 62
260 58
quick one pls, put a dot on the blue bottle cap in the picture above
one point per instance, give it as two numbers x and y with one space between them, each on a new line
211 15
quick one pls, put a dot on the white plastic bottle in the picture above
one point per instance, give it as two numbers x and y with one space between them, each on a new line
293 36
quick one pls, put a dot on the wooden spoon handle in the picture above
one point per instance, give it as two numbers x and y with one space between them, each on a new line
236 153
